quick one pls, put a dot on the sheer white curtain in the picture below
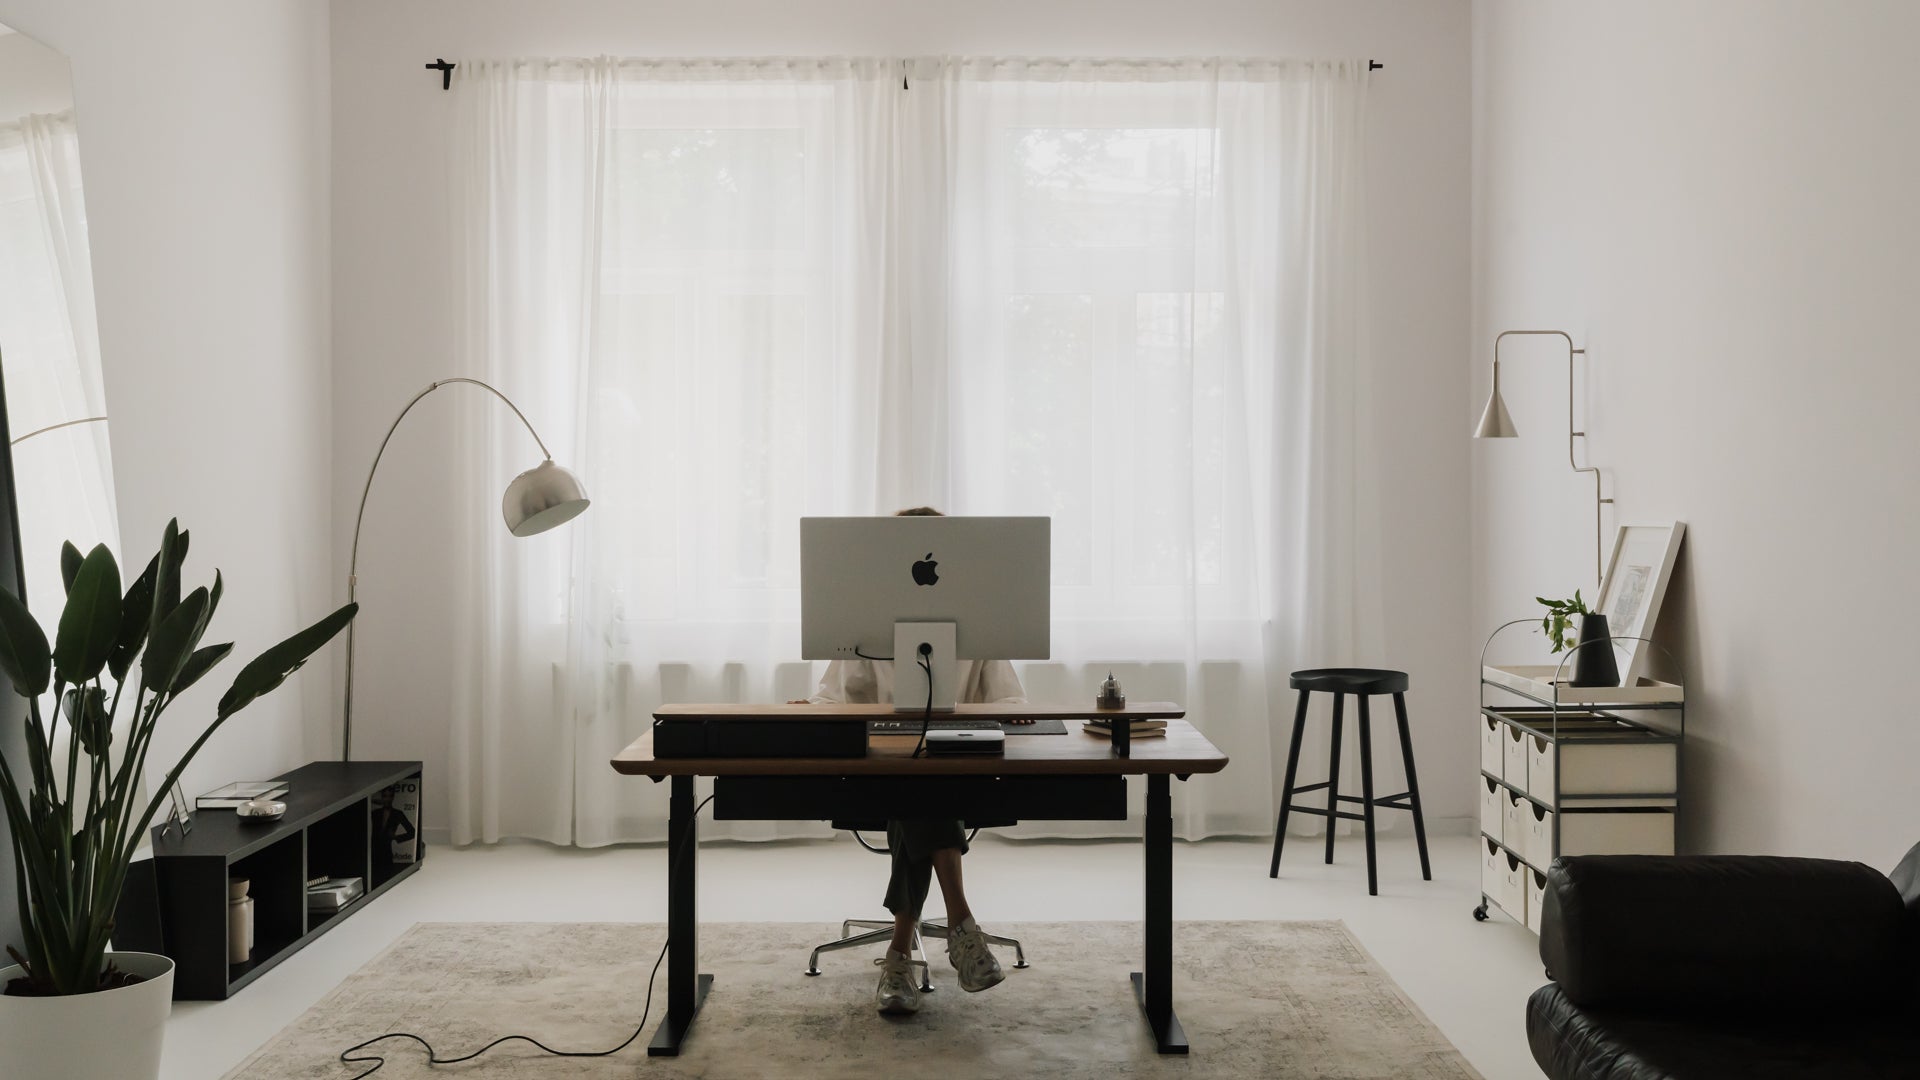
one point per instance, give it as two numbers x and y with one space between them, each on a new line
1151 336
677 268
51 352
1122 294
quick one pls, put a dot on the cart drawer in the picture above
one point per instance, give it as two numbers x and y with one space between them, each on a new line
1614 768
1616 832
1514 748
1493 799
1530 832
1492 756
1536 899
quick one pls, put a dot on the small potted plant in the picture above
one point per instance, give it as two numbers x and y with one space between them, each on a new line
1593 663
69 1007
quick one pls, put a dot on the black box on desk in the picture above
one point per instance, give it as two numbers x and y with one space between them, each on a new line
753 737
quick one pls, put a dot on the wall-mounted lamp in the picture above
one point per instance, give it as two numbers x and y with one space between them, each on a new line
1496 423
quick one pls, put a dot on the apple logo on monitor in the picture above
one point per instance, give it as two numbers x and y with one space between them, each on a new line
923 571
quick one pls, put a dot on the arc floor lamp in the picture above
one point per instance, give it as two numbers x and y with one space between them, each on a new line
539 499
1496 423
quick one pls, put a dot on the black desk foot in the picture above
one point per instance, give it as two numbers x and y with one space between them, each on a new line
668 1039
1168 1035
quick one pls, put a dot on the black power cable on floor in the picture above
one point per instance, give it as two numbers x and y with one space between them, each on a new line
434 1059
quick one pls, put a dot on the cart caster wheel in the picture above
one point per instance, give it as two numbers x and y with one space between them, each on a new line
1480 913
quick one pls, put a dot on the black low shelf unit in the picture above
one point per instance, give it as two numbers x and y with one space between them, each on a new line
178 905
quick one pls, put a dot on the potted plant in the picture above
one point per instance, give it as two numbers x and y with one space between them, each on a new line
69 1007
1593 663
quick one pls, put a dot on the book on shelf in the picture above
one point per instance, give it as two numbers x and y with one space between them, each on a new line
226 798
396 820
334 893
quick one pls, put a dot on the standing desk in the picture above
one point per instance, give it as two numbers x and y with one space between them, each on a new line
1073 777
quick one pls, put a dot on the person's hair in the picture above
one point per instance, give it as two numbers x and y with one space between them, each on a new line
918 511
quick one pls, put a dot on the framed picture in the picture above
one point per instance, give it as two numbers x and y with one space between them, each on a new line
1636 583
180 812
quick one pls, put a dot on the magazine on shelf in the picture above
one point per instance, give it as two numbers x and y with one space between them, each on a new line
332 894
226 798
398 822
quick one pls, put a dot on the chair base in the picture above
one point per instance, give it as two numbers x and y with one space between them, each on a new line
877 930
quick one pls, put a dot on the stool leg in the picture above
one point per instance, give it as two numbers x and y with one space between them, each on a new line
1333 775
1413 784
1366 792
1286 789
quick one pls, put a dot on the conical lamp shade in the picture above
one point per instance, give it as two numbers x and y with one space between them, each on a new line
1494 422
541 498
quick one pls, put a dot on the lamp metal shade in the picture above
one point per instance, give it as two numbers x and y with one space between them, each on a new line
1495 423
541 498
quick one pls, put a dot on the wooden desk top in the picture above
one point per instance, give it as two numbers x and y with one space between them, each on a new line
1181 750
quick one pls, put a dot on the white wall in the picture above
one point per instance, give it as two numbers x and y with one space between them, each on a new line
203 132
33 78
391 282
1717 198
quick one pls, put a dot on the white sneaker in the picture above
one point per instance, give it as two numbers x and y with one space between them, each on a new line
896 995
972 961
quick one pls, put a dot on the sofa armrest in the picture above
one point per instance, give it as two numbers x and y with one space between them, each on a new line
1724 932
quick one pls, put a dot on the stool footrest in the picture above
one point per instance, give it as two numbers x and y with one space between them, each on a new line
1319 812
1304 788
1391 802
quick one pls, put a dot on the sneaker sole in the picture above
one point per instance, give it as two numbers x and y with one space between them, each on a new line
899 1009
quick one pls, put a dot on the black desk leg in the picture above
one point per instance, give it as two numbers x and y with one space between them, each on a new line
1154 987
686 988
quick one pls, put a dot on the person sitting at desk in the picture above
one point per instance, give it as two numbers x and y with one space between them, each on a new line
925 848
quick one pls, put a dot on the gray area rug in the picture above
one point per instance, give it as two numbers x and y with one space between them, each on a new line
1258 999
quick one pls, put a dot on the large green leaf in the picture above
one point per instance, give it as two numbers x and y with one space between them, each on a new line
201 662
166 582
91 622
172 643
136 612
70 560
86 710
272 667
24 655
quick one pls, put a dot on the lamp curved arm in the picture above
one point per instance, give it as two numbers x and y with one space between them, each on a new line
1599 573
353 563
57 427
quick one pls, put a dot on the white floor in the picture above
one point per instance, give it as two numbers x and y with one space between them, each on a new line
1472 979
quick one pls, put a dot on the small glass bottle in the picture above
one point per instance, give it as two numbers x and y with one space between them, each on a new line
1110 695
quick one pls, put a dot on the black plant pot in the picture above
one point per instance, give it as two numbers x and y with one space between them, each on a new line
1593 657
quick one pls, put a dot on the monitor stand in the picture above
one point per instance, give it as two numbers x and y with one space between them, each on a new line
909 680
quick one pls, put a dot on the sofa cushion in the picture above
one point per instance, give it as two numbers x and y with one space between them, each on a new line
1726 934
1571 1043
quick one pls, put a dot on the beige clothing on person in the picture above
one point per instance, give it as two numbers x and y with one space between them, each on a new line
870 682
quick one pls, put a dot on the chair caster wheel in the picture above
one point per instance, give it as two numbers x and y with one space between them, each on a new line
1480 913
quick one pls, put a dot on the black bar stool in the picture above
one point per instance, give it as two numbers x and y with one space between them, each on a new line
1361 683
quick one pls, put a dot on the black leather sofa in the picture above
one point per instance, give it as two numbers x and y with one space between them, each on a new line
1675 968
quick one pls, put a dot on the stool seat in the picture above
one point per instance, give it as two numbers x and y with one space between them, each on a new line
1350 680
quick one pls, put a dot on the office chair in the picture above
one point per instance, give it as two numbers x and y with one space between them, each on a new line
878 930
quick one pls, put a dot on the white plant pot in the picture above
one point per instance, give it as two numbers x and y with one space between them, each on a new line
111 1035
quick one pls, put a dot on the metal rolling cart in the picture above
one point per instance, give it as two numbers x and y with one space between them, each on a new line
1564 770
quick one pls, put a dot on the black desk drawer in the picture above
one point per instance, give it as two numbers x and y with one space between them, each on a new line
823 798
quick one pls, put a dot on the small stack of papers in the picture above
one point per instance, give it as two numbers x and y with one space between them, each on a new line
1138 729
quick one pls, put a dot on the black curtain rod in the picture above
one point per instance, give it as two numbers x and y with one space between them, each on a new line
445 68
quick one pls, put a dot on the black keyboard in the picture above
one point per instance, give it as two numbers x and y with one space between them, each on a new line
912 727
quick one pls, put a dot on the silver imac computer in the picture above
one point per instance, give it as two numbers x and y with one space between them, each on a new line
932 589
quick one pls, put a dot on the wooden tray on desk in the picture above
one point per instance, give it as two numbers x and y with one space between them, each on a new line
1183 750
